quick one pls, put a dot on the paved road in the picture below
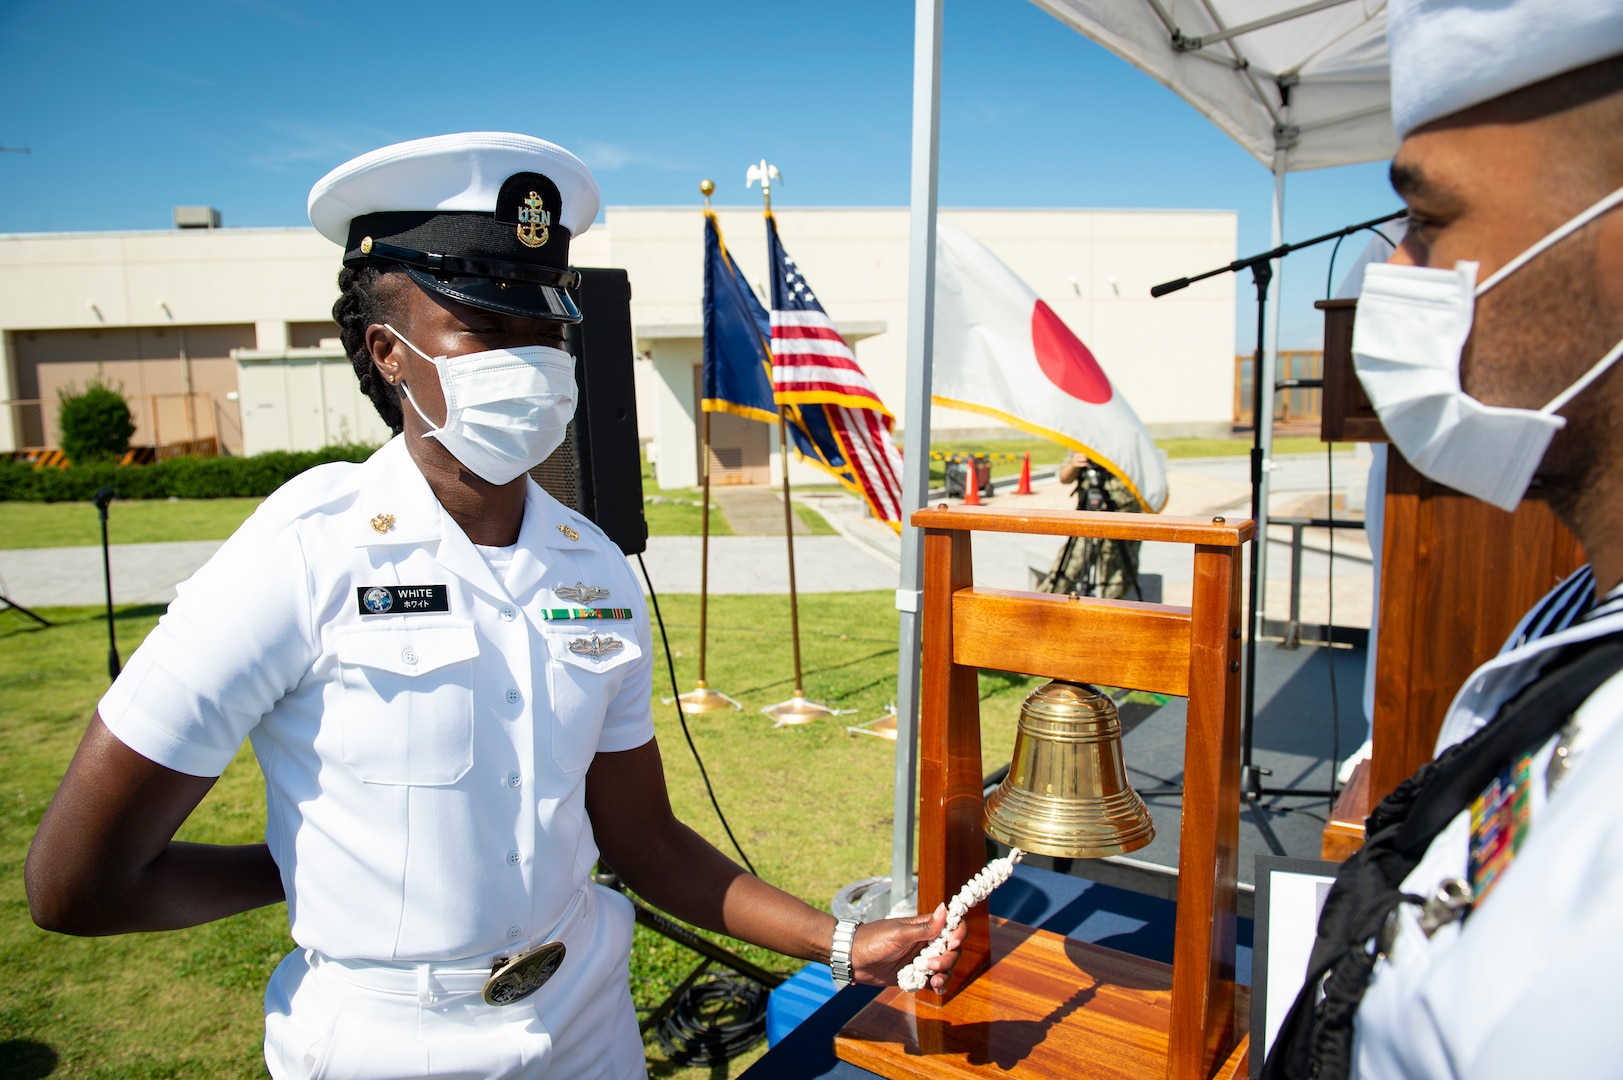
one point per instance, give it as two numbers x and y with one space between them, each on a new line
865 556
148 573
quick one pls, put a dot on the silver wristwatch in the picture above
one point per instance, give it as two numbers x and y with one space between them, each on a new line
839 957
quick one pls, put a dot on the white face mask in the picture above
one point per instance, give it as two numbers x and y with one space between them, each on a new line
1412 323
506 410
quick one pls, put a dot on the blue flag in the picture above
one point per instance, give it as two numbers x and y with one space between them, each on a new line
737 362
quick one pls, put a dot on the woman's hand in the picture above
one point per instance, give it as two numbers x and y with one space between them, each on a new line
883 948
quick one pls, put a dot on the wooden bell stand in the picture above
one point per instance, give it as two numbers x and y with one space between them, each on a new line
1025 1002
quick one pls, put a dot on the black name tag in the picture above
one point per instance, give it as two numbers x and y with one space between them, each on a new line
401 599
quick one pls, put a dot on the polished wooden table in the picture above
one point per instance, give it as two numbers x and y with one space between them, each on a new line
1092 918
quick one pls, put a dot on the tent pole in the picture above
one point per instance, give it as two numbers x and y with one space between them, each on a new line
1263 378
916 437
1270 377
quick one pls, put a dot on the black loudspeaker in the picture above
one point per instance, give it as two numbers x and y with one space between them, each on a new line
598 469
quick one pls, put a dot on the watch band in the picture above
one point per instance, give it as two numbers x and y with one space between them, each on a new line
839 956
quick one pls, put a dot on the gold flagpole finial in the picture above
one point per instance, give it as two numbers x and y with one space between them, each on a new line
707 189
766 173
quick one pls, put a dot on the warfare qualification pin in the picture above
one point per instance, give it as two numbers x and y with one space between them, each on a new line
581 593
596 646
533 221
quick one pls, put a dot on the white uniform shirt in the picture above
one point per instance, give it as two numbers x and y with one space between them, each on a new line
424 771
1530 982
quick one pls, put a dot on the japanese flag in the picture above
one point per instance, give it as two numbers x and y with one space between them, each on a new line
1002 352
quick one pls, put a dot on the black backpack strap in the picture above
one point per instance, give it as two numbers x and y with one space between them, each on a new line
1315 1040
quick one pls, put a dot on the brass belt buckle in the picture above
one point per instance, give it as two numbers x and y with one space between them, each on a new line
517 977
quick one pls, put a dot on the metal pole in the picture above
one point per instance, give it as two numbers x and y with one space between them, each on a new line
1270 374
101 499
704 548
1266 276
1262 274
916 439
789 537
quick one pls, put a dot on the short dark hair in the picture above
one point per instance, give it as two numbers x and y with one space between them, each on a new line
363 301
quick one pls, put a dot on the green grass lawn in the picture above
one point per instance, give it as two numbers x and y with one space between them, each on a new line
1286 444
1047 454
811 805
814 521
135 521
1043 453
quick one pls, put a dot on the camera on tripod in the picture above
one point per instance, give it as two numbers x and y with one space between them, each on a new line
1092 494
1086 565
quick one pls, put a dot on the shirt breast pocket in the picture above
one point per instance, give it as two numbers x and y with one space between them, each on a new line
406 712
585 672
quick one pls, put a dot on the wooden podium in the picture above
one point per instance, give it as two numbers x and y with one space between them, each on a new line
1028 1003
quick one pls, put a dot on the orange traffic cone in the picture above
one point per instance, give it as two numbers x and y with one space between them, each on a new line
1025 476
972 483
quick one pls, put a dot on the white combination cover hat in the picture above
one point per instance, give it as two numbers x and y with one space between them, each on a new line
481 217
1448 55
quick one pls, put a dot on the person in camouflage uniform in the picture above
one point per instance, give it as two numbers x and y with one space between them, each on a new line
1088 566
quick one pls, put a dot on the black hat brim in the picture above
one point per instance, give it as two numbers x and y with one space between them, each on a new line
526 299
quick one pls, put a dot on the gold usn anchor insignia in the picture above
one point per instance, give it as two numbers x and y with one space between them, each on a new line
383 523
533 221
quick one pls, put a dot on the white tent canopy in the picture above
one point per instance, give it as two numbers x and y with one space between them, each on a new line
1301 84
1303 81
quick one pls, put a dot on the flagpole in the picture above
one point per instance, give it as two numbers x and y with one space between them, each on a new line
702 699
797 710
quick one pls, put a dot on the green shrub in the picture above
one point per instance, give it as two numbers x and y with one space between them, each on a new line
96 424
181 478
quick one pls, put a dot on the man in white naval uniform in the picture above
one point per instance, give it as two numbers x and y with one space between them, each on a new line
446 678
1488 344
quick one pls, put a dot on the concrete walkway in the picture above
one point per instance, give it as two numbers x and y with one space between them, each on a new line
148 573
866 555
142 573
754 510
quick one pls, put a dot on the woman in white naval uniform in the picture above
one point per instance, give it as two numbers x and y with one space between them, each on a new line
449 738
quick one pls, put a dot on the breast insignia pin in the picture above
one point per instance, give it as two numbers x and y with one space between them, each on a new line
567 531
581 593
596 646
383 523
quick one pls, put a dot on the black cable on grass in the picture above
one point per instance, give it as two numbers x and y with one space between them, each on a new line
714 1021
676 693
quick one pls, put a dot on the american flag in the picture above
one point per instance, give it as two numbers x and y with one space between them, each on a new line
815 373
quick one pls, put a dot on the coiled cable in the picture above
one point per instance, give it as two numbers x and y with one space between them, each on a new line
714 1021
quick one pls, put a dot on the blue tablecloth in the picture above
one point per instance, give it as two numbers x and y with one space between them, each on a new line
1078 908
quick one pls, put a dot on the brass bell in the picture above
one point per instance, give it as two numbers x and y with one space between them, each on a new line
1067 794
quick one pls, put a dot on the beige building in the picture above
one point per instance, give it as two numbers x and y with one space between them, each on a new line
225 334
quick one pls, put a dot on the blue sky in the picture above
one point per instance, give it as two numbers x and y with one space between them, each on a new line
129 110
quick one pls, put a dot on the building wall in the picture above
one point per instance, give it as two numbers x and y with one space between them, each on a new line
75 304
1172 358
118 306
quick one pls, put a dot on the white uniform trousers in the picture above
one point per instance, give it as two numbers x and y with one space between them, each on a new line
331 1019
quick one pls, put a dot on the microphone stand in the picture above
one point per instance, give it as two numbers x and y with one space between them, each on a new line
1262 273
102 497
